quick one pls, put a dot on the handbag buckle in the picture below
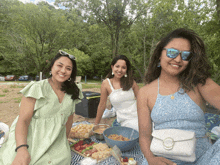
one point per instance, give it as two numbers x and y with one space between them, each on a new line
168 143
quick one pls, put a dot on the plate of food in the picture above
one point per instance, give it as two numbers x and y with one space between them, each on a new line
81 131
89 148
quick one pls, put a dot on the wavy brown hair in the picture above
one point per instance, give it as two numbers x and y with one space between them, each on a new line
198 69
126 82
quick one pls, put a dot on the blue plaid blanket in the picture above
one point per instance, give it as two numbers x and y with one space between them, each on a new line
211 120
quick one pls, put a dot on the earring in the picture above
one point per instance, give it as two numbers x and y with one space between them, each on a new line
126 75
50 73
69 79
158 65
112 73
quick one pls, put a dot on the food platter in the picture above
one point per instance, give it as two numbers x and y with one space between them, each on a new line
80 158
88 148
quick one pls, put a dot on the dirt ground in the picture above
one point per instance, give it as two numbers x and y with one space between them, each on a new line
10 99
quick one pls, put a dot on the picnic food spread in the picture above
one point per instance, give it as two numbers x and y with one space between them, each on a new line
88 148
118 137
81 131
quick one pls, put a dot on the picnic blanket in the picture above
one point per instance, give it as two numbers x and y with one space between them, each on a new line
211 121
134 153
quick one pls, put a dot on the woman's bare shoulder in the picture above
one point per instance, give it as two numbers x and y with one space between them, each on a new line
104 82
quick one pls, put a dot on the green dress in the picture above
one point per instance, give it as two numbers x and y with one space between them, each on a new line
47 131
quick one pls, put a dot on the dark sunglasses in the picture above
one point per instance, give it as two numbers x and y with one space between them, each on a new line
67 54
173 53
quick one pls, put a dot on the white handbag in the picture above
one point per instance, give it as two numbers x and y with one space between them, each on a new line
174 143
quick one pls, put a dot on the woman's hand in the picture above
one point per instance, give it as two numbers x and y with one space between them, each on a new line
160 161
22 158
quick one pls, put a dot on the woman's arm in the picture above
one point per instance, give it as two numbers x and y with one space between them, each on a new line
21 130
135 88
145 129
210 92
69 125
145 124
103 101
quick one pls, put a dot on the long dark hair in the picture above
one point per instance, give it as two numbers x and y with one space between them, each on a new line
68 87
126 82
198 69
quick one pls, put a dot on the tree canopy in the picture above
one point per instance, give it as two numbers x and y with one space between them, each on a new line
96 30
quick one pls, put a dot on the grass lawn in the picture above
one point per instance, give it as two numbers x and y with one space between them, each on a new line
89 84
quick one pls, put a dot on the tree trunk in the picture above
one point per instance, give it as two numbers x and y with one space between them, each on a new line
113 48
117 41
218 9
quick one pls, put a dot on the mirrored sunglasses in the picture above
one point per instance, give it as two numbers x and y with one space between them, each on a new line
173 53
67 54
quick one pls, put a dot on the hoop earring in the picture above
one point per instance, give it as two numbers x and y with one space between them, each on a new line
158 65
112 74
126 75
50 73
69 79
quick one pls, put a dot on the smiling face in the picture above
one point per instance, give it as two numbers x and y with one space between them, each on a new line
174 66
119 69
61 69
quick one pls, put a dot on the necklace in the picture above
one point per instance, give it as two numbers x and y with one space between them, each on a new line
172 96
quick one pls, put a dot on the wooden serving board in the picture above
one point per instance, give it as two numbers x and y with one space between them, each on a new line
78 152
88 156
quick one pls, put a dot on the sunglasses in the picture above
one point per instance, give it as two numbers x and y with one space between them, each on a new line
173 53
67 54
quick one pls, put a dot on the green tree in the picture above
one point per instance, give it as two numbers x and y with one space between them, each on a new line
218 9
84 66
35 37
163 17
116 15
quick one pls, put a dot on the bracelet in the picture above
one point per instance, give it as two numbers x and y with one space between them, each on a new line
23 145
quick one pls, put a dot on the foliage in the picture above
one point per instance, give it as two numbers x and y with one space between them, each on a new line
82 60
116 15
95 31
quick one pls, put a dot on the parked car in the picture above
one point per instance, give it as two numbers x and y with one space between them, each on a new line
2 78
10 78
96 78
25 78
37 78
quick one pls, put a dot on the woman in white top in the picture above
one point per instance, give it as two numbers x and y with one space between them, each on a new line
122 90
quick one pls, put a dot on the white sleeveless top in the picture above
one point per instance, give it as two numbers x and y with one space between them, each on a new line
124 103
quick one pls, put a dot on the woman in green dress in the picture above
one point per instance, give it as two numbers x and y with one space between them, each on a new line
38 136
